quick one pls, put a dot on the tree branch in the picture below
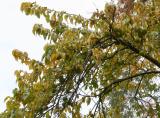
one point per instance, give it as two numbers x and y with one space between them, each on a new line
134 49
110 86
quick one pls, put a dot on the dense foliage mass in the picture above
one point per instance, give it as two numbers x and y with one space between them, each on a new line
108 64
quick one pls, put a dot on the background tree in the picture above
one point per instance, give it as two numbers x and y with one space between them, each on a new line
111 62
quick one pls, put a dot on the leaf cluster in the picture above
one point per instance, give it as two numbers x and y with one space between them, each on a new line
109 62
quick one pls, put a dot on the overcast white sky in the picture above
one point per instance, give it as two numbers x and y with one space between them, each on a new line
16 32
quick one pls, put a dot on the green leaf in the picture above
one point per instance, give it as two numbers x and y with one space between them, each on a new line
88 100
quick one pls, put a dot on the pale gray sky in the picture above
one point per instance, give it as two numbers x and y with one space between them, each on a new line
16 32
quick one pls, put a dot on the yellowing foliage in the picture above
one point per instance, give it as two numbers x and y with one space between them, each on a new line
109 63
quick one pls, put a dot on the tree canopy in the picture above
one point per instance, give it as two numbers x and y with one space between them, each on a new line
108 64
